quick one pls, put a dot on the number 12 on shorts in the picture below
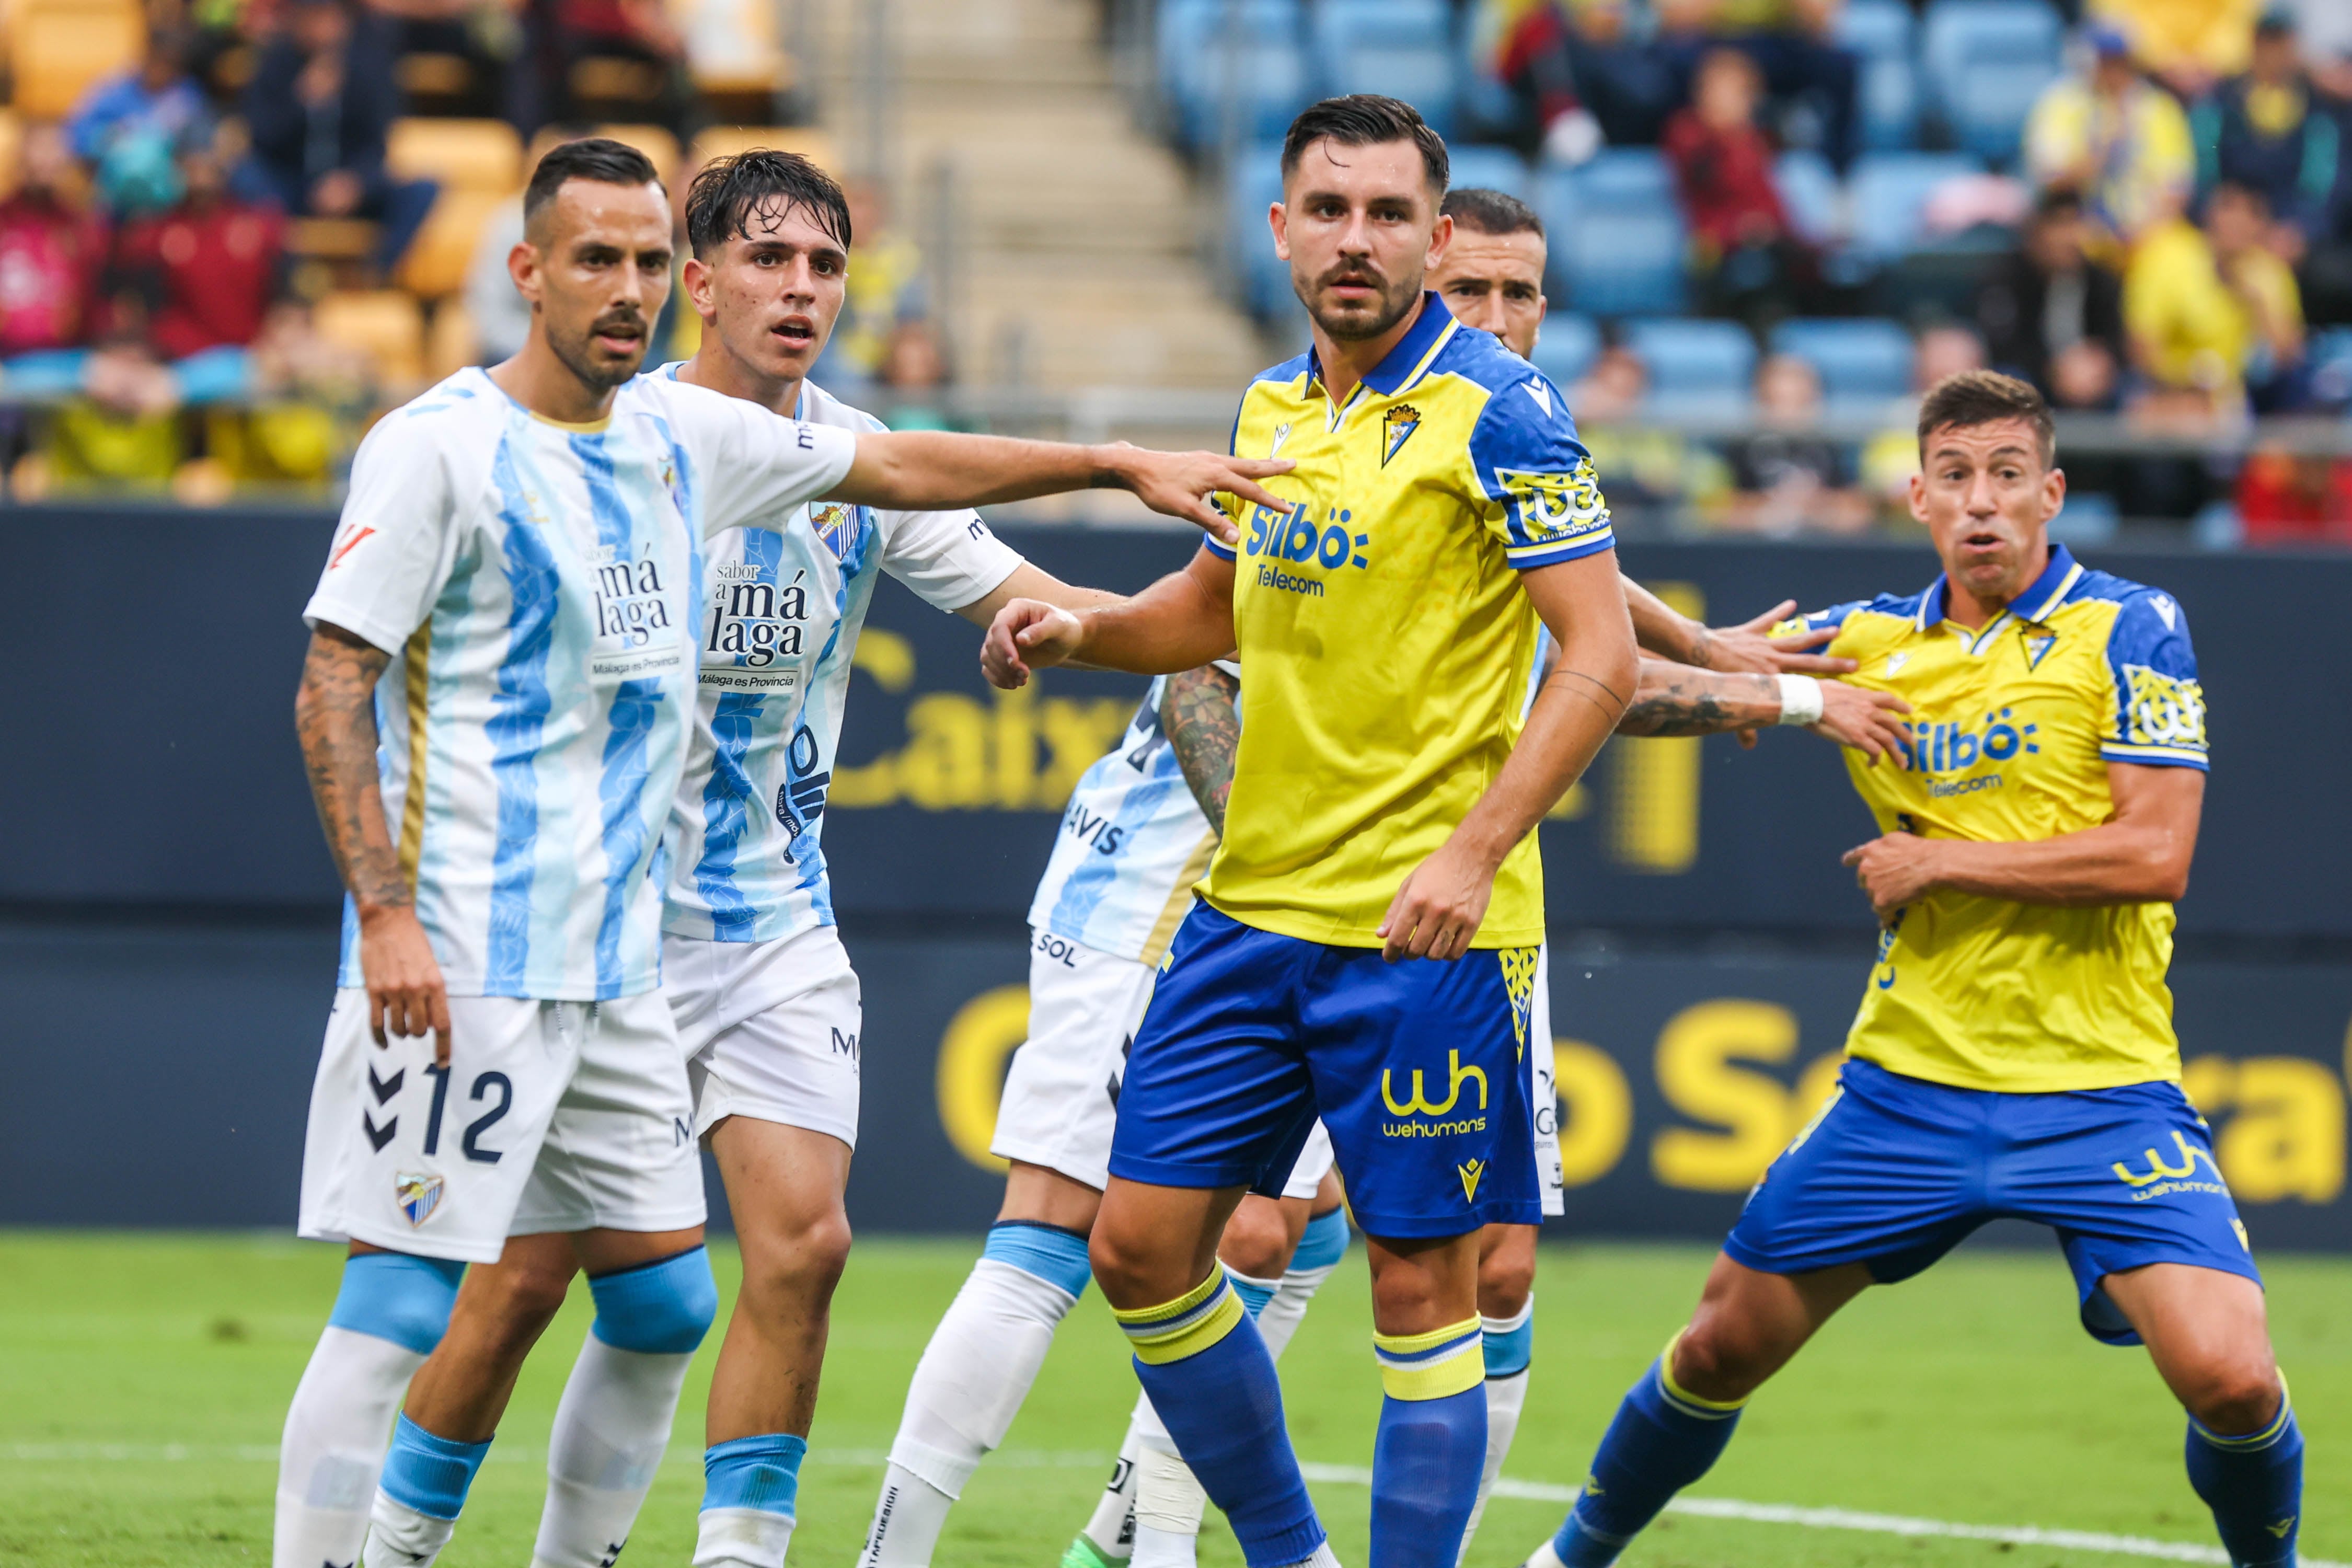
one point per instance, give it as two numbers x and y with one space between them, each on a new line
483 1084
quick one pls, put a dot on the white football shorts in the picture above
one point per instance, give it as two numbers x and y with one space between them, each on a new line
769 1028
1061 1094
1550 1178
551 1116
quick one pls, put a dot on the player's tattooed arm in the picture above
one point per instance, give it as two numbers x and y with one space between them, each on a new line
1676 699
1198 716
335 716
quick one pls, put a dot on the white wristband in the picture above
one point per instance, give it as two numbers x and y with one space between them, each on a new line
1801 699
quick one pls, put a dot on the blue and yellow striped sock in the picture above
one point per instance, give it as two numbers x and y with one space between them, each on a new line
1661 1440
1201 1362
2253 1484
1430 1445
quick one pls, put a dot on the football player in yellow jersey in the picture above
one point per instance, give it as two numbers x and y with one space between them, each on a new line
1365 945
2013 1056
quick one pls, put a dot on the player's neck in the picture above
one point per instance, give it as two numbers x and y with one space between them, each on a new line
712 366
1976 611
543 383
1345 363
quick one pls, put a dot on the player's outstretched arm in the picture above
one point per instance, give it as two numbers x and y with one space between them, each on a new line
334 715
1750 646
2139 855
1676 700
1183 620
930 470
1197 715
1443 902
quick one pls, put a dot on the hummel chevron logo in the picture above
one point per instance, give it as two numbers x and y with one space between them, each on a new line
376 1137
383 1089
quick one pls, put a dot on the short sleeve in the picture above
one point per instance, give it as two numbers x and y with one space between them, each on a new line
1543 497
2156 708
1831 619
752 464
397 543
950 559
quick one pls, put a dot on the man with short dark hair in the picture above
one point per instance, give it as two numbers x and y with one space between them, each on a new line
525 540
2038 832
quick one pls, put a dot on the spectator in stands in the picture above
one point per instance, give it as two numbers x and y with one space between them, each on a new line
127 129
885 288
2188 45
1813 79
1582 79
1651 473
2045 297
606 52
2214 313
123 431
206 272
2286 497
2326 30
2268 131
52 254
320 108
488 36
914 378
1746 259
1789 479
2116 140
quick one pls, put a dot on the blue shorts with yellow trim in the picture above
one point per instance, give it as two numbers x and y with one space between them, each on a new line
1417 1069
1896 1171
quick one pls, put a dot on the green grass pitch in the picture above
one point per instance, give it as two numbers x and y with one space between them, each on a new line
142 1379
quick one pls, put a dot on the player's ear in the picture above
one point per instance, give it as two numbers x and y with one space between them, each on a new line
701 287
2053 492
1439 238
522 265
1919 498
1277 219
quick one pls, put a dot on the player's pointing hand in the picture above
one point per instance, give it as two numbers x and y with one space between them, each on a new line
1751 647
1028 634
1179 483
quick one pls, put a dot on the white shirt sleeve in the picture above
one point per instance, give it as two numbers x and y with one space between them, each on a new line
397 542
754 465
950 559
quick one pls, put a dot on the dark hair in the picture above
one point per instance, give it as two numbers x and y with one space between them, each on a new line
1490 212
721 202
1366 119
2057 201
598 158
1983 397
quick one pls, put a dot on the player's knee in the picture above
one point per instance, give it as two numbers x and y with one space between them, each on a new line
1256 1241
657 1308
397 1296
1718 1357
1131 1270
2234 1395
800 1259
527 1292
1506 1280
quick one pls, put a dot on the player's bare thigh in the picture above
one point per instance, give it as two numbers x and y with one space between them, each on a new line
1035 1194
2209 1333
1749 1324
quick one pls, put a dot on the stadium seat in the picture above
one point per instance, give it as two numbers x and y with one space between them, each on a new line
1404 48
1265 50
726 141
1567 347
1862 362
1616 176
1808 189
653 141
1882 33
1985 62
59 49
1492 168
1889 191
461 154
1617 242
438 259
1253 184
385 324
1695 367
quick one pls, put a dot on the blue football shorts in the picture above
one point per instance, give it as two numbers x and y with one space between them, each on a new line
1895 1171
1417 1068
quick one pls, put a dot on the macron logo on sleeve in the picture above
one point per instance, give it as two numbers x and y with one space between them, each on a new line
358 536
1540 393
2166 611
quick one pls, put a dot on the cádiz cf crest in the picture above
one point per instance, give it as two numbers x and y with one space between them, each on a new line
1396 429
418 1196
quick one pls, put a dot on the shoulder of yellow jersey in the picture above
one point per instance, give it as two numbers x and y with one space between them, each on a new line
2155 704
1524 456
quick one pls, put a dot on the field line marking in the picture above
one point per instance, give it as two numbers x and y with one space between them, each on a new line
1867 1523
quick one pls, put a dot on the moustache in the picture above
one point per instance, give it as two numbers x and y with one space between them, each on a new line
1354 273
618 320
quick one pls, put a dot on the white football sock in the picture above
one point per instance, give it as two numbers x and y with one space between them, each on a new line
1506 1395
610 1428
1111 1529
969 1385
336 1433
1280 1316
1168 1503
399 1537
742 1538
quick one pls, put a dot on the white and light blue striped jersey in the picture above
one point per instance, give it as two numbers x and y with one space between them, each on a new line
1133 842
777 631
536 586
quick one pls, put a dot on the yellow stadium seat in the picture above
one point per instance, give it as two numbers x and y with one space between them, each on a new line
444 248
59 48
385 324
450 343
12 147
652 140
463 155
726 141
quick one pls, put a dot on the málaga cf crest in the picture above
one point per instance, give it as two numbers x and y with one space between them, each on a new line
836 525
418 1196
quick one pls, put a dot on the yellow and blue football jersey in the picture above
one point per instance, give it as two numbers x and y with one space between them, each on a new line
1387 641
2015 725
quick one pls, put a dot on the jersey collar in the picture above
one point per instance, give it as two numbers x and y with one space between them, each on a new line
2041 596
1403 365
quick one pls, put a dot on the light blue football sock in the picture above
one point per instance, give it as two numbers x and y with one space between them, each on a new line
750 1492
1661 1440
2255 1486
429 1474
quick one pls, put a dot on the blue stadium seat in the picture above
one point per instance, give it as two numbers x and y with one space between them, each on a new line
1495 168
1985 62
1861 364
1695 367
1265 51
1808 189
1567 347
1617 242
1889 189
1404 48
1253 184
1618 175
1881 32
